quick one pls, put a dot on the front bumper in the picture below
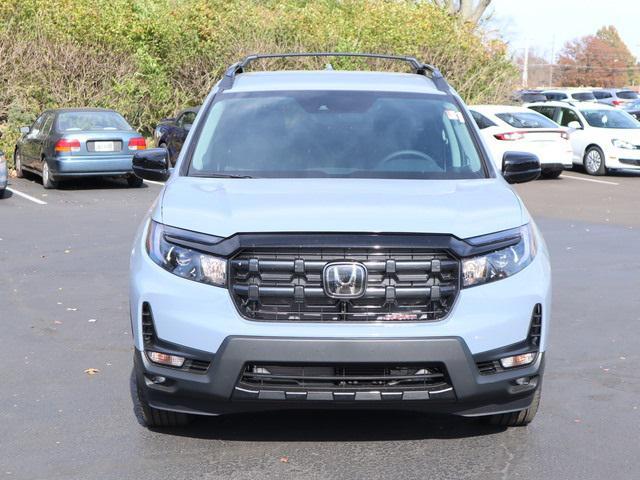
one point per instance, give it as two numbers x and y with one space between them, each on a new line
215 392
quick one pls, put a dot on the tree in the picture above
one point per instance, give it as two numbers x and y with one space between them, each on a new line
469 10
600 60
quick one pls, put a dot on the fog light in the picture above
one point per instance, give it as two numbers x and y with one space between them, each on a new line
166 359
518 360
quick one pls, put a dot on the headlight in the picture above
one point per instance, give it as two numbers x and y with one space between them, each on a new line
501 263
623 144
185 262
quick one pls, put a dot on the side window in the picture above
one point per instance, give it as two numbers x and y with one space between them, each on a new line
567 116
548 112
482 121
46 127
186 119
601 95
551 96
37 125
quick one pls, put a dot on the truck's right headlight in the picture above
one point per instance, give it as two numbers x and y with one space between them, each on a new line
500 263
185 262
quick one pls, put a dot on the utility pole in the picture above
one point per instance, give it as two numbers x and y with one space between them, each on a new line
525 67
553 60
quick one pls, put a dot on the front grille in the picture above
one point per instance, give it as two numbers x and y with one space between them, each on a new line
287 285
345 382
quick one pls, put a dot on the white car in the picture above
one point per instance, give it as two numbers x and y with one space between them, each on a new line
570 95
603 138
506 128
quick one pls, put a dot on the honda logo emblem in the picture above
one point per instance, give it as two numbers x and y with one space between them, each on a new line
345 279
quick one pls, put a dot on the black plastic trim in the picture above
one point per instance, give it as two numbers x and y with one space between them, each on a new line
227 247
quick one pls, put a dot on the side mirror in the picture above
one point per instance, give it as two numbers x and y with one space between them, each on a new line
520 167
25 130
575 125
152 164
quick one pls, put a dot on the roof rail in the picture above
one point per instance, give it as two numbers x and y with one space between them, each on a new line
417 66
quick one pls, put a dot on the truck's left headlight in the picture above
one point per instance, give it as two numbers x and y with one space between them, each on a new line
185 262
500 263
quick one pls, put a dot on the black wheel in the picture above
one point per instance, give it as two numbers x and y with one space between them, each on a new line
134 181
517 419
17 163
48 181
551 174
154 418
2 190
594 161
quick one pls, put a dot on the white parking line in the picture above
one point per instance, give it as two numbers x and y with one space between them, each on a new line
589 180
154 182
28 197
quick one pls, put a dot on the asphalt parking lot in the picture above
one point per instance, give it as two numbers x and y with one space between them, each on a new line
64 309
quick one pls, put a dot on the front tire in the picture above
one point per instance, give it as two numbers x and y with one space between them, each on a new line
155 418
517 419
594 162
134 181
48 181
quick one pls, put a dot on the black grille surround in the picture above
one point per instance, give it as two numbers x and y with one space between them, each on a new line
260 381
280 284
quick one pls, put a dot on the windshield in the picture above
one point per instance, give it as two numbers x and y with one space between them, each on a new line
526 120
316 134
610 119
90 121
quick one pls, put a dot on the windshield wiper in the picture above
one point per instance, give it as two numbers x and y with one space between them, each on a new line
218 175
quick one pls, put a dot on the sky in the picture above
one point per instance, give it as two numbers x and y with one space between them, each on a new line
548 24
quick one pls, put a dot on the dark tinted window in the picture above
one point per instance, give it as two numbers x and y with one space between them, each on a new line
583 96
627 95
187 118
555 96
547 111
533 97
90 121
482 121
526 120
600 94
342 134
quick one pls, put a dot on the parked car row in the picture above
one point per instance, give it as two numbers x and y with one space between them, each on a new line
564 134
616 97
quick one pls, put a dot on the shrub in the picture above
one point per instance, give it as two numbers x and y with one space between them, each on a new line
149 58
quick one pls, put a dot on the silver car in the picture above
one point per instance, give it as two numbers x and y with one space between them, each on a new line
68 143
3 174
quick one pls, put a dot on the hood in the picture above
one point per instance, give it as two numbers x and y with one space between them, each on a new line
223 207
628 134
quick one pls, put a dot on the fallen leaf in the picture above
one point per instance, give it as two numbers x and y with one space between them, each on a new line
57 322
67 251
92 371
71 309
284 459
92 320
